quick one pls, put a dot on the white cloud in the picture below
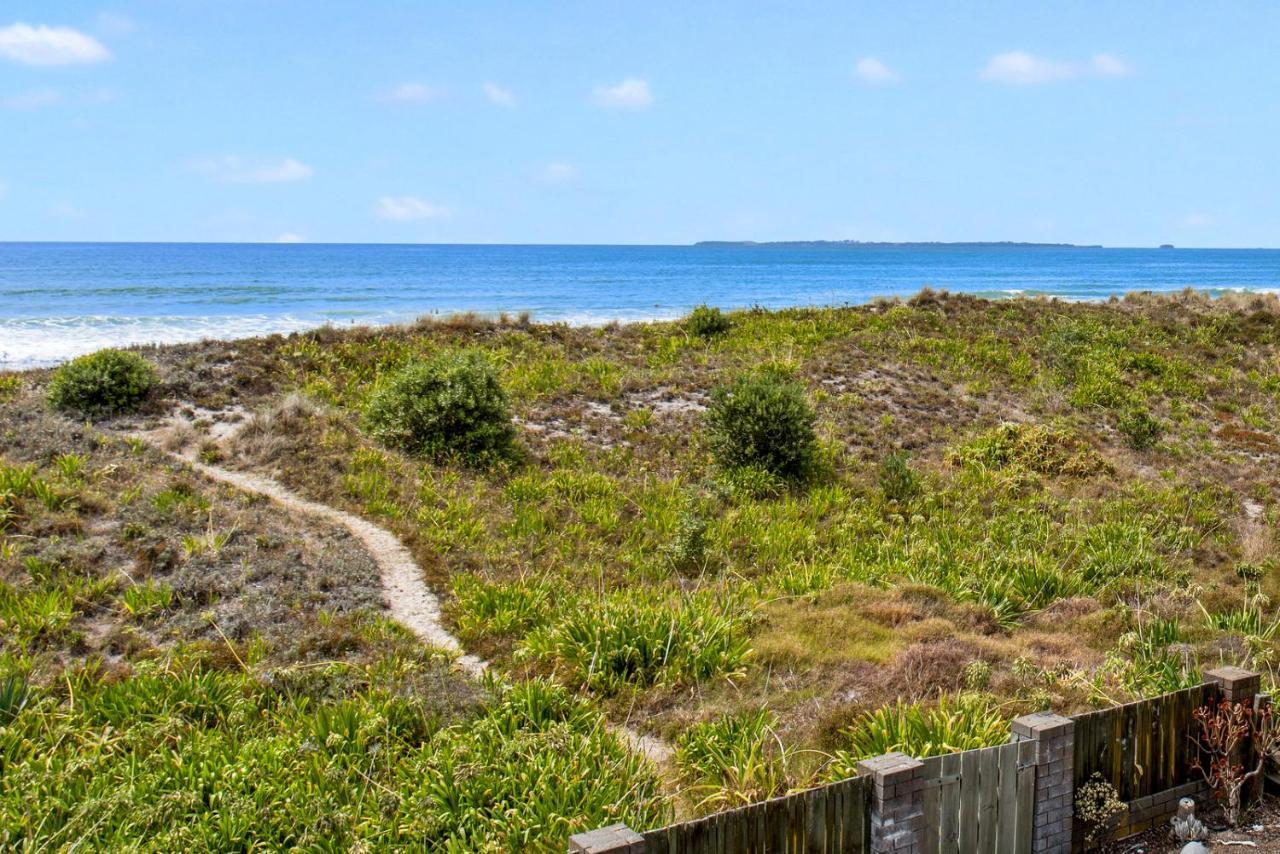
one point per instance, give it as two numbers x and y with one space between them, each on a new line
44 45
412 93
290 237
1106 65
1022 68
406 208
558 173
499 95
233 169
631 94
1196 220
871 70
32 100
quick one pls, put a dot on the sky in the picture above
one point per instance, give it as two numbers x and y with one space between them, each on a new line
1125 124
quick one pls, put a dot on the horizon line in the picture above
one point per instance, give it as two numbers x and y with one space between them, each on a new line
705 244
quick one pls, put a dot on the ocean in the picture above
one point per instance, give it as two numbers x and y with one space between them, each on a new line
58 300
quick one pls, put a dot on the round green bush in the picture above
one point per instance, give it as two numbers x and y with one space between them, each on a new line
763 420
449 405
101 384
707 322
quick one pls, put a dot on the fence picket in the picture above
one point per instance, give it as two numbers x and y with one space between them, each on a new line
1026 797
815 822
932 802
969 801
948 822
1006 801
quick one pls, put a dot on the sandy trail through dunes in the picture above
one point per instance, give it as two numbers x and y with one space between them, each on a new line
409 600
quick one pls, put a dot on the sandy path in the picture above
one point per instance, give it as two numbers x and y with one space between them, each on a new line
409 599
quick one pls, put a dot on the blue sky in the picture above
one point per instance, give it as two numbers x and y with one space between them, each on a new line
601 122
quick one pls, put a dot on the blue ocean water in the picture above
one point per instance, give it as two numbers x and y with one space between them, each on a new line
62 299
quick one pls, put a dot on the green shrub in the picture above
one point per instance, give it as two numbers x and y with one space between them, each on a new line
101 384
451 404
707 322
687 550
897 480
1140 428
763 420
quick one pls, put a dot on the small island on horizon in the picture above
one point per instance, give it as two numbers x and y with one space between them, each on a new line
908 244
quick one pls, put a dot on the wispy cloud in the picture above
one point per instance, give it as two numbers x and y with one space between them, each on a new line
31 100
1022 68
406 208
873 71
45 45
558 173
290 237
412 93
630 94
233 169
1196 220
499 95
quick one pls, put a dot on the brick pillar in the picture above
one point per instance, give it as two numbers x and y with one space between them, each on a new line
1242 686
1238 685
897 806
1055 779
614 839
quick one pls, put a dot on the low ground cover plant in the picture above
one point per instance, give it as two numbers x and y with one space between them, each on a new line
101 384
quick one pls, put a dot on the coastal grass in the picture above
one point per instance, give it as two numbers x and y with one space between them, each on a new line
1005 506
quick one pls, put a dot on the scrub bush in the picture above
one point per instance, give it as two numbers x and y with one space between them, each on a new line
451 404
1140 428
707 322
101 384
897 480
764 420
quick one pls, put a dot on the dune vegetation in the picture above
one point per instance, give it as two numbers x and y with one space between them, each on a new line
775 541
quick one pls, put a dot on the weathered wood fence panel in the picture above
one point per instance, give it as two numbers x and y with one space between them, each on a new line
1143 749
995 800
831 819
987 810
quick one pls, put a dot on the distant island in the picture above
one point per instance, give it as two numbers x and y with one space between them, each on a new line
876 244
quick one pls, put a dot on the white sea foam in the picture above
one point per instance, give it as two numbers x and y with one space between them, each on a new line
43 341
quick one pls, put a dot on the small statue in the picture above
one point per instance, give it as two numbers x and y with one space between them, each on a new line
1186 827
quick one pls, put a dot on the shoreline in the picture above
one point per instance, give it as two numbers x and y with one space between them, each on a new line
87 334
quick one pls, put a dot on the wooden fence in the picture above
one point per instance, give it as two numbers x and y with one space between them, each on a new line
1143 750
1008 799
980 800
826 820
